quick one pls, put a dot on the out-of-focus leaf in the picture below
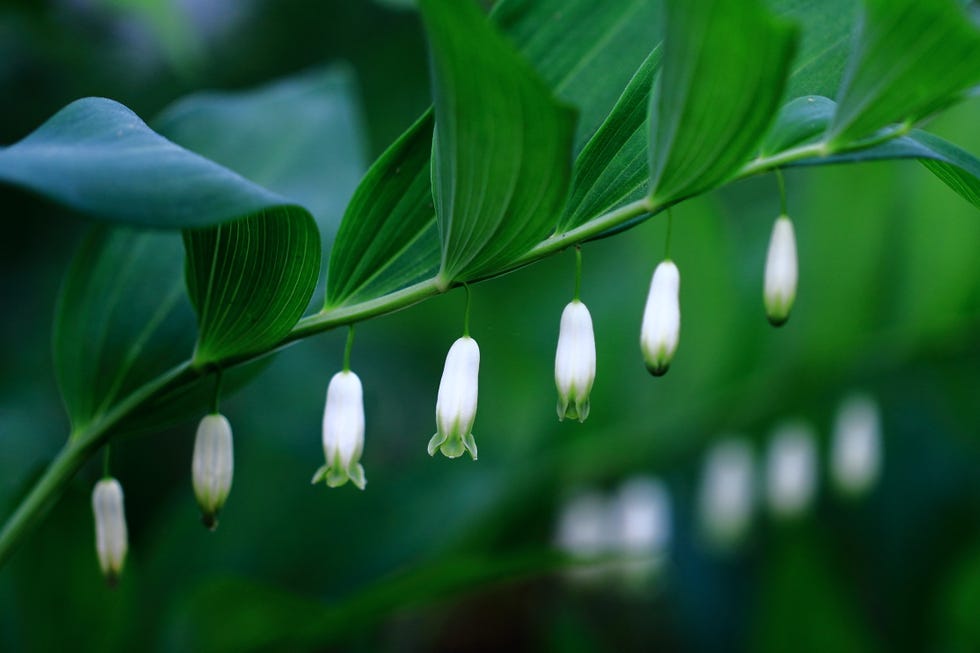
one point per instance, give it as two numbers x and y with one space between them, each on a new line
501 160
96 156
122 318
300 137
911 59
611 170
804 121
250 280
390 240
283 620
725 65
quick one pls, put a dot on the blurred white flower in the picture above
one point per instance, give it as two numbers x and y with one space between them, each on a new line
575 362
641 527
661 327
212 466
456 403
111 539
856 445
727 492
781 272
791 470
343 432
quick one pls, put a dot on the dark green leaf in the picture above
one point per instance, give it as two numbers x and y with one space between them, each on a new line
388 238
612 170
501 159
827 28
911 59
122 318
312 152
96 156
804 121
725 65
250 280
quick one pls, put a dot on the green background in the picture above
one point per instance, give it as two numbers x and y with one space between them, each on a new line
454 555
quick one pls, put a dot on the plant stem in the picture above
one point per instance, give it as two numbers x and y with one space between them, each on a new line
466 312
84 443
578 272
348 347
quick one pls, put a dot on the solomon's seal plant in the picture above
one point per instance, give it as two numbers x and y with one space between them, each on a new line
212 466
527 150
111 538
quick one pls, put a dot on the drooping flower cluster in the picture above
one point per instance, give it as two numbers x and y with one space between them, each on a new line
456 401
779 291
661 328
575 362
343 432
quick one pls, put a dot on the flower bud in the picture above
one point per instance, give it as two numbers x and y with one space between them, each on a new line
456 403
110 528
856 447
791 470
343 432
212 466
661 319
727 492
575 362
781 272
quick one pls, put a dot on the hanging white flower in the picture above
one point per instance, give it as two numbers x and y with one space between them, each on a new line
456 403
575 362
111 539
212 466
791 470
661 319
781 272
856 446
343 432
727 492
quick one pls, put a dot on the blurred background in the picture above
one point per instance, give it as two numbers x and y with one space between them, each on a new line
650 527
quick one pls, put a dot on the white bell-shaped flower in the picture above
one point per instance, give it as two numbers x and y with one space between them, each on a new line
575 362
456 403
855 455
782 272
343 432
727 492
111 539
791 470
661 319
212 466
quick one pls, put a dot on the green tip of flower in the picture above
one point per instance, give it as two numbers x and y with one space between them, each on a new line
453 446
573 409
210 520
777 320
658 368
356 475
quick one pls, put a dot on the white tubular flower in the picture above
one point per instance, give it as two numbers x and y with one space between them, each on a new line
782 272
456 403
575 362
661 319
727 492
212 466
642 527
343 432
856 447
111 539
791 470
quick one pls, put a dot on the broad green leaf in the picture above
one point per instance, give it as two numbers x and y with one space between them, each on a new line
911 59
612 170
311 153
97 157
388 238
804 121
122 318
501 159
725 65
826 34
250 281
611 37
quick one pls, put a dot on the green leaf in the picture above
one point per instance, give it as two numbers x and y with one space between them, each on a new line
725 66
501 159
250 281
388 238
567 41
911 59
122 318
612 168
804 121
311 153
826 34
97 157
